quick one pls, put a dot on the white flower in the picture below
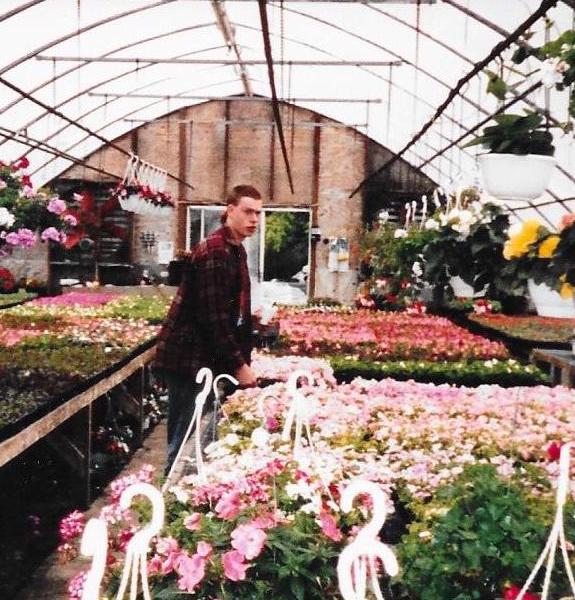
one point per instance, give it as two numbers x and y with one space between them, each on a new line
551 71
399 233
231 439
260 437
180 493
3 184
6 217
416 269
383 217
431 225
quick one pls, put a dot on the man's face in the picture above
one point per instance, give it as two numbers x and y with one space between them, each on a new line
243 218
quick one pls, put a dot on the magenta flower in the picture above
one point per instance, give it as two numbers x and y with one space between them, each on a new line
234 566
71 526
272 424
76 586
191 570
248 540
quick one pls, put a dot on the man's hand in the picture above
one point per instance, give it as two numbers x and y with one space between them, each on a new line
246 376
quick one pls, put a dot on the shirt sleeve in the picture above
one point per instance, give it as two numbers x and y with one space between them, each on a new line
214 285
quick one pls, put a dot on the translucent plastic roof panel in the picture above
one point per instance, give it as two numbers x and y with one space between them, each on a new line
382 67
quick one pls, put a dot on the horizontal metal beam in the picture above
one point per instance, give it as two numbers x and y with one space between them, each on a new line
252 123
223 61
239 98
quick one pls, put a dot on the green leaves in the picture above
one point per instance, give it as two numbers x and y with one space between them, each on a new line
516 134
487 536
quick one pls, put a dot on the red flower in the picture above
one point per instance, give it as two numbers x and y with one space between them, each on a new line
21 163
26 180
554 451
512 591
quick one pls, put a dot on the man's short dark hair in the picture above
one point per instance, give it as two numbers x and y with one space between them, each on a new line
239 191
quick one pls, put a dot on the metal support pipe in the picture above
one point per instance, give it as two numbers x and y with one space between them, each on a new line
225 61
235 98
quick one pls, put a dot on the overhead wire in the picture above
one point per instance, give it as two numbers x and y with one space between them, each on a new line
85 129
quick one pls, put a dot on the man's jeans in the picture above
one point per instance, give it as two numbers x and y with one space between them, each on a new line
182 392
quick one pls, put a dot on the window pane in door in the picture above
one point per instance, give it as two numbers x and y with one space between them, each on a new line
194 226
286 245
212 219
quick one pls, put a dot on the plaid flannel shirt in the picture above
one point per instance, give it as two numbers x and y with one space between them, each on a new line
201 328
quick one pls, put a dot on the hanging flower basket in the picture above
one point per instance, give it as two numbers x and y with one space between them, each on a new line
516 177
144 200
549 303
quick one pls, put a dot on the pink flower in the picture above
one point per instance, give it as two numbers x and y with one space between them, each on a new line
50 233
23 237
70 220
264 521
191 570
204 550
167 546
76 586
248 540
56 206
192 522
329 527
229 505
234 566
71 526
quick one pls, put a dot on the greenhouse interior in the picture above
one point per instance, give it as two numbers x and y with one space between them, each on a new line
287 299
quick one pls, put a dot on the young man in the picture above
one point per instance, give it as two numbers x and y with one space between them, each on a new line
209 322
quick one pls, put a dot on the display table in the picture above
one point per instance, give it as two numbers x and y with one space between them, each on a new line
562 364
78 449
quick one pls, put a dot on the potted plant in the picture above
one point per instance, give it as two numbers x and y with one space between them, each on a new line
563 258
533 261
468 246
520 159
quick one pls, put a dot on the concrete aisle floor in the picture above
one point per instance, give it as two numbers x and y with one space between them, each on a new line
50 581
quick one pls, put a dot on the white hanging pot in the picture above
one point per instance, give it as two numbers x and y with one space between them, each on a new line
549 303
462 289
516 177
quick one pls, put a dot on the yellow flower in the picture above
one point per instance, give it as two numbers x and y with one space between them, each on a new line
518 245
548 246
566 290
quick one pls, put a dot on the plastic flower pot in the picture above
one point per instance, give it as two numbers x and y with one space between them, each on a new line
549 303
515 177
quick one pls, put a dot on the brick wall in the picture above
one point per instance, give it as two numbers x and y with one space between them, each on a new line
219 144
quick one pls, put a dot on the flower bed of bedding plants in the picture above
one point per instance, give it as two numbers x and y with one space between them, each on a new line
530 328
381 336
7 300
51 346
506 373
470 471
401 345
